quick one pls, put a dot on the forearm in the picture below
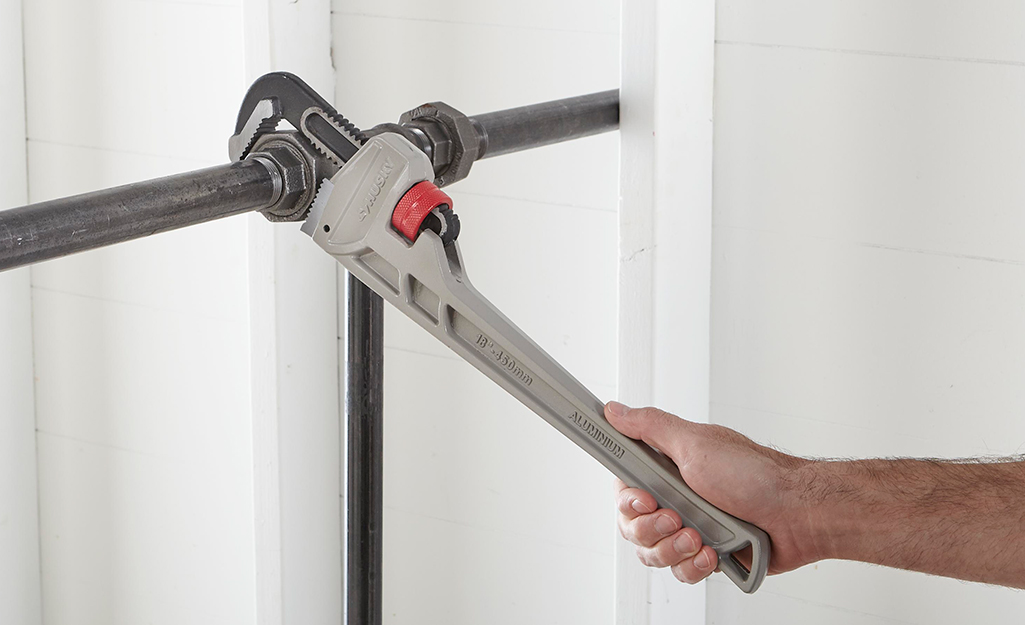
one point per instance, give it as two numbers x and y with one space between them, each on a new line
963 520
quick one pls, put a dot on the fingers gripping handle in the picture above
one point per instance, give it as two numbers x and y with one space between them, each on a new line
426 281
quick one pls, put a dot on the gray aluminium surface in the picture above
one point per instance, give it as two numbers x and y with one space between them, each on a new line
426 281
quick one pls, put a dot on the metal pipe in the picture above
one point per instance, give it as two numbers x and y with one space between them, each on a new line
39 232
362 431
534 126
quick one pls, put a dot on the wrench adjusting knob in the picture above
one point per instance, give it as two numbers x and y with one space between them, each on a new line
426 207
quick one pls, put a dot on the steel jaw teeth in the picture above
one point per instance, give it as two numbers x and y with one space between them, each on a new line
318 205
263 120
317 143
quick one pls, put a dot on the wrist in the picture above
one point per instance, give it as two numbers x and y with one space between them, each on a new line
827 496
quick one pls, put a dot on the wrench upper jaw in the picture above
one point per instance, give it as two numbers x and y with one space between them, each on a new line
263 119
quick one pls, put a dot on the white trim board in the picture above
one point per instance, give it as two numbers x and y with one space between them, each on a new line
665 249
20 599
293 327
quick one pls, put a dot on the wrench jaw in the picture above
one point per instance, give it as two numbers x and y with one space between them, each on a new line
321 139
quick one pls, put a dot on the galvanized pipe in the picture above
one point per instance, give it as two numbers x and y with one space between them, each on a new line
39 232
537 125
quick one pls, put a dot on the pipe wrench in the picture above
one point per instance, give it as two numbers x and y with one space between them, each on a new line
385 221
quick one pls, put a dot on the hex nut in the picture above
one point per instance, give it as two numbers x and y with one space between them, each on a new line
297 177
465 142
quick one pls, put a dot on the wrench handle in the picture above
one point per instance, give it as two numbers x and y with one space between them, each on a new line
425 280
507 356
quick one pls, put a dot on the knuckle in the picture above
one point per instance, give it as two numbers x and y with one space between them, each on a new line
622 502
644 532
686 574
623 526
642 555
663 555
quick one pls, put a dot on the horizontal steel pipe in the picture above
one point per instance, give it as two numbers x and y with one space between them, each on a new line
58 228
47 230
534 126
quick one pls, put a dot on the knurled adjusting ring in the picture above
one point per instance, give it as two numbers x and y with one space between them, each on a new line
417 205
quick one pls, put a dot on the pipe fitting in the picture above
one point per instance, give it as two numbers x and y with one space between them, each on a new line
296 171
453 136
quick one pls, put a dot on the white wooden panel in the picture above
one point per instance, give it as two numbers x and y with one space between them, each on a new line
158 78
481 76
12 133
818 437
142 351
531 15
518 520
868 279
487 506
19 520
988 30
541 175
145 491
770 608
208 281
872 594
549 293
907 343
520 592
902 153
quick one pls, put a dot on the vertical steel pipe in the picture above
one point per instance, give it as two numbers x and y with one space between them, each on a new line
363 452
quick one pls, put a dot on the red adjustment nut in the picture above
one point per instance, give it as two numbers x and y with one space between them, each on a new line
417 205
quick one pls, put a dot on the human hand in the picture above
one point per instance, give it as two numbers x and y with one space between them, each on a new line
754 483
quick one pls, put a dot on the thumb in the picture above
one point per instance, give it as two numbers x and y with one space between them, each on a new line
658 428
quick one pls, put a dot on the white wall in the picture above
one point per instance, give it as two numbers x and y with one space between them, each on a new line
142 350
868 281
19 534
490 515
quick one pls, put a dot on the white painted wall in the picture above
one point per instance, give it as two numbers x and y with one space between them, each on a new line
19 533
490 515
869 269
142 350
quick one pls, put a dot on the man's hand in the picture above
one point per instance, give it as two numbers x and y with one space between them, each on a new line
733 473
960 519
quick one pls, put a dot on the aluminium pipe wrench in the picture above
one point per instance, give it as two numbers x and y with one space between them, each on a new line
382 218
